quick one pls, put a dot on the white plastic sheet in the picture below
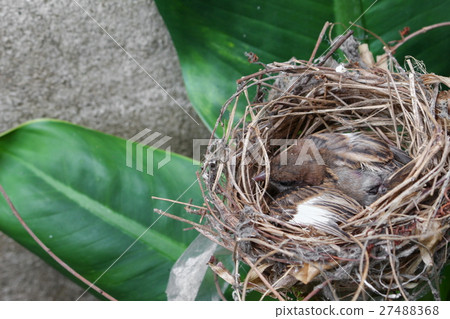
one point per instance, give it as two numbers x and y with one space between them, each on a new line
188 272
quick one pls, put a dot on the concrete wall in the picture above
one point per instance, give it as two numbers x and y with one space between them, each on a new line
56 62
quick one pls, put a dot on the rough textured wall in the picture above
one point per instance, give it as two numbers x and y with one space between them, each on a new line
56 62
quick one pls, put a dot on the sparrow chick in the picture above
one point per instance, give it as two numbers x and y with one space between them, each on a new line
316 206
355 163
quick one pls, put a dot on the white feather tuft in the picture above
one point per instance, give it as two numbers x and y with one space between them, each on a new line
309 214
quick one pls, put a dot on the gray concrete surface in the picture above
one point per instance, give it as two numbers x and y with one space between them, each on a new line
56 62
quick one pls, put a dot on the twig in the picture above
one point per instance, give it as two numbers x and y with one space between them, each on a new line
263 72
263 279
333 49
316 290
423 30
336 46
184 220
319 41
48 251
391 50
247 278
178 202
391 253
364 269
210 210
372 33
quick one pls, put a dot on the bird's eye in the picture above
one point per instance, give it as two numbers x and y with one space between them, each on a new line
374 190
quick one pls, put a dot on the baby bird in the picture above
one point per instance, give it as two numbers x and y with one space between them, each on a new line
323 208
357 164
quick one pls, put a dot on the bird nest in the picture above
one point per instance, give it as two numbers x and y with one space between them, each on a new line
396 247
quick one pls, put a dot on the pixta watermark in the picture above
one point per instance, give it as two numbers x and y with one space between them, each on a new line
149 141
141 147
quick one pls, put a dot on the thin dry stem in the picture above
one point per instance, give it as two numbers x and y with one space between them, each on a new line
48 251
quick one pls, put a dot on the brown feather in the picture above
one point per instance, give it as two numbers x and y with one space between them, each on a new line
357 164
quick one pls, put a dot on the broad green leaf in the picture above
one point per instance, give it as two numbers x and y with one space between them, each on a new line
211 37
73 188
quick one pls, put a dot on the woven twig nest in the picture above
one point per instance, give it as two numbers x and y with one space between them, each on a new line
396 247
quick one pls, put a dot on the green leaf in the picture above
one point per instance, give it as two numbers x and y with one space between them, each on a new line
73 188
211 37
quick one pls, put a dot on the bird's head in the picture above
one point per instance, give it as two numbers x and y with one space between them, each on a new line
294 167
364 185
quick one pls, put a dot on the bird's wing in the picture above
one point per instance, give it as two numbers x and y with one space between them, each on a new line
400 156
355 150
316 206
399 175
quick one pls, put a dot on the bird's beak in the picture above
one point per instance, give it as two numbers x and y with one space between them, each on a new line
260 177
